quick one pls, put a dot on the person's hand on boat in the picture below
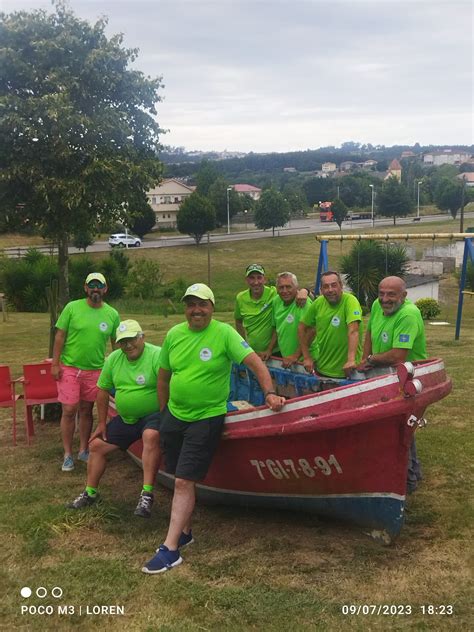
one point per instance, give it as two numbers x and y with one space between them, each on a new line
364 366
308 364
56 371
289 360
274 402
264 355
349 366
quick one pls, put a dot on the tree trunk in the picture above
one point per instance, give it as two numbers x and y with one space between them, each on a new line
63 263
394 220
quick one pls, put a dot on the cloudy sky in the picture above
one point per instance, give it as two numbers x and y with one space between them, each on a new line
282 75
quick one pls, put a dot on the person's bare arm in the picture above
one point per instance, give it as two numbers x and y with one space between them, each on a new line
164 378
102 402
305 337
352 343
272 400
59 340
264 355
239 325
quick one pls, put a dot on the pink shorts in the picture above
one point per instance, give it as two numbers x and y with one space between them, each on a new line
76 384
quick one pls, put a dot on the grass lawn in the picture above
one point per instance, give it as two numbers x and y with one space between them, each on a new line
248 570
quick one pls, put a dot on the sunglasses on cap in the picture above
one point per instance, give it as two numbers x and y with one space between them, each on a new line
95 285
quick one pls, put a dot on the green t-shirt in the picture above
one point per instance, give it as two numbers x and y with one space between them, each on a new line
200 362
134 382
256 317
404 329
285 319
331 323
88 329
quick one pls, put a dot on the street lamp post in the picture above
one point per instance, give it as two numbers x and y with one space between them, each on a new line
418 201
228 210
373 218
245 213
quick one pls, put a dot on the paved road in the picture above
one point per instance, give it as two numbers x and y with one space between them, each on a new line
297 227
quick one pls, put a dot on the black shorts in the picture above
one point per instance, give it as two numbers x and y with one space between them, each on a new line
188 446
123 435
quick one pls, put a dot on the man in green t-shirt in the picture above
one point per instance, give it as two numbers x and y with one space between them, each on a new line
286 316
253 314
82 332
193 386
395 334
335 318
132 373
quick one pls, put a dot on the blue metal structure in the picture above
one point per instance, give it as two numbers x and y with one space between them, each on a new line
468 254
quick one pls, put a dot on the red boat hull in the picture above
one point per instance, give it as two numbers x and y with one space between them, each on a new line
341 453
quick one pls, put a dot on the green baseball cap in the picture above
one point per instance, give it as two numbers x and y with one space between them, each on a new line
254 267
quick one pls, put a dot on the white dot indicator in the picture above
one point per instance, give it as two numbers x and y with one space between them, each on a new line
25 592
41 592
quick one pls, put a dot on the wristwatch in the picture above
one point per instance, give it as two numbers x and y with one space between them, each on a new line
369 360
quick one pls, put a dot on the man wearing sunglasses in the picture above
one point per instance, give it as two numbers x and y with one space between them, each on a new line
82 332
132 371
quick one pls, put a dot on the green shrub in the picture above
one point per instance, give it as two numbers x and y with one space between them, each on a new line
428 307
24 281
145 279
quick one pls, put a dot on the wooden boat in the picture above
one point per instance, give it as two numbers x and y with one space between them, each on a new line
341 452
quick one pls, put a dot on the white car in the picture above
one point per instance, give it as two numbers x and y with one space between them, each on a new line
121 240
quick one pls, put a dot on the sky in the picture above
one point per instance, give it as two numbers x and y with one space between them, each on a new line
286 75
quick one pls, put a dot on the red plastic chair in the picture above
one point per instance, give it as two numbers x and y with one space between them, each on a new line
8 397
39 387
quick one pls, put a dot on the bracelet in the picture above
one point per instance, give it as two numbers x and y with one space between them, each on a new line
269 393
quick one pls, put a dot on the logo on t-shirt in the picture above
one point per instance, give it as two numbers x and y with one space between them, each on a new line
404 338
103 326
384 336
290 318
245 344
336 321
357 313
205 354
140 380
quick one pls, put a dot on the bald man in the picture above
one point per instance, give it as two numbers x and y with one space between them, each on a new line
395 333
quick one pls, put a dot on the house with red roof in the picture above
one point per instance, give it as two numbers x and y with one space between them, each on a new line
247 189
394 170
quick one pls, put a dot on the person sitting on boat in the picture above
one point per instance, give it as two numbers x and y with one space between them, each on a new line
132 370
286 316
335 318
193 386
253 313
395 333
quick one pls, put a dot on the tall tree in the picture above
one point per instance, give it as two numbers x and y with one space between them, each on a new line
78 141
206 176
271 211
448 196
394 200
339 211
196 216
218 197
143 221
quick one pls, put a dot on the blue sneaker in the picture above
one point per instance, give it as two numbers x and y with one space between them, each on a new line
164 560
185 539
83 456
68 464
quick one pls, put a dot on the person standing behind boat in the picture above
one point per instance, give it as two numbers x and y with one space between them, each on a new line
193 386
395 333
82 332
286 316
336 319
132 372
253 309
